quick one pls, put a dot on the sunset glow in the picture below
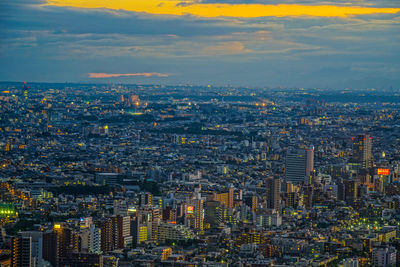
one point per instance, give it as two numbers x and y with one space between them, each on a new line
224 10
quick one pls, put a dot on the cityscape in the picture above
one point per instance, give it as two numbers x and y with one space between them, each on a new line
199 133
150 175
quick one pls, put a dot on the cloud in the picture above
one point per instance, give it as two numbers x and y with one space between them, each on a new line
215 10
97 75
227 48
303 51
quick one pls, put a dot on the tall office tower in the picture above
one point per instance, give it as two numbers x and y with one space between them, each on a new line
107 234
213 213
25 88
299 165
199 215
195 215
362 150
156 218
308 194
50 248
310 161
21 252
347 191
273 190
67 241
122 234
37 246
231 192
292 199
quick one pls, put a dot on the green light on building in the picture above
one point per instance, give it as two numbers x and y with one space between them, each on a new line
7 210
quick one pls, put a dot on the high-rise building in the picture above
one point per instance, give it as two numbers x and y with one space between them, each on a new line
195 215
90 240
145 199
213 213
299 165
225 198
107 234
251 201
347 191
362 151
67 241
384 256
50 248
37 246
21 251
308 195
138 231
169 214
310 161
292 199
273 192
122 236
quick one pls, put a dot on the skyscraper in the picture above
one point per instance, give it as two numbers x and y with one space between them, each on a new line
213 213
51 248
299 165
310 161
362 150
195 215
273 191
21 251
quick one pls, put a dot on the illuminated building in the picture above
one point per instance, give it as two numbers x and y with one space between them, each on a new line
310 162
84 260
107 234
225 198
292 199
384 256
347 191
25 91
273 193
299 165
362 151
21 251
166 253
195 215
90 240
213 213
251 201
174 232
37 246
123 231
7 210
145 199
67 242
268 219
139 231
169 214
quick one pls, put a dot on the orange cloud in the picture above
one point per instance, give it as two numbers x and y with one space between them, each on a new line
212 10
113 75
227 48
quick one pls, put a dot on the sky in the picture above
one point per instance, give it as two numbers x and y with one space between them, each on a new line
262 43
